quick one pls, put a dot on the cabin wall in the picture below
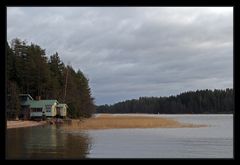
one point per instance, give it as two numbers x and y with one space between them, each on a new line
35 114
51 112
54 110
63 111
48 111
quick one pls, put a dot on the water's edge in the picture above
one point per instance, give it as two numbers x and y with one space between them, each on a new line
48 142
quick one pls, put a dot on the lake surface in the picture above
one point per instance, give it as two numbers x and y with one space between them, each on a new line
49 142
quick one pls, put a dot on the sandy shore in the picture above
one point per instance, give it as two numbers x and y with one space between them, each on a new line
108 121
20 123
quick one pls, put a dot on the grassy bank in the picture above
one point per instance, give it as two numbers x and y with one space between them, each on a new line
114 122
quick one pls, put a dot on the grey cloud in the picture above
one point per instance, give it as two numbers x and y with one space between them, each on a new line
135 51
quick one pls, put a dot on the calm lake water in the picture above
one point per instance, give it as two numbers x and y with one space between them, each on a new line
49 142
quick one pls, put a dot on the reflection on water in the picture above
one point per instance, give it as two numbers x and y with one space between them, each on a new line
214 141
45 142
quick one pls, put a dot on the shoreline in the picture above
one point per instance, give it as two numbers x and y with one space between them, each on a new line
114 121
24 123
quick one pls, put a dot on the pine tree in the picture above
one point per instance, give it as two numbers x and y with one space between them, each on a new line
30 71
13 103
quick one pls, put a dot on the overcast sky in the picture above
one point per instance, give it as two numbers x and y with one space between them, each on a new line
128 52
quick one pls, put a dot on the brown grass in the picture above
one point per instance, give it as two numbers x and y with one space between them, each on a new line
114 122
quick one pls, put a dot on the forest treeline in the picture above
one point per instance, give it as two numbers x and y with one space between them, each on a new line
192 102
30 71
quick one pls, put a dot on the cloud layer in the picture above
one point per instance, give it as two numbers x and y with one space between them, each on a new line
128 52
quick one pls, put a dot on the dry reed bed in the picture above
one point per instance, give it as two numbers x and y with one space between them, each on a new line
115 122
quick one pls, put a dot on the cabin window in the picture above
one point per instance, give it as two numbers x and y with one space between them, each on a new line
36 109
48 108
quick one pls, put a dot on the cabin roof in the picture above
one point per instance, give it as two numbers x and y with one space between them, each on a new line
41 103
26 103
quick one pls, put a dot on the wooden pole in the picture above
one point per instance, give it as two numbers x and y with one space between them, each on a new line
65 90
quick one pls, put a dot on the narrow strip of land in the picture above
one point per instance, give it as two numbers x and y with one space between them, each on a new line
115 122
20 123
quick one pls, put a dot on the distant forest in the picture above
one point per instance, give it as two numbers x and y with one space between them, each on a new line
30 71
192 102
